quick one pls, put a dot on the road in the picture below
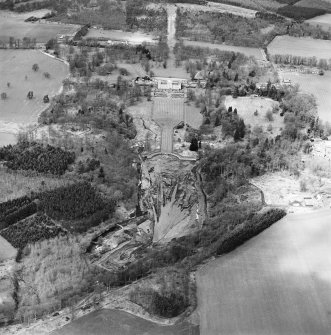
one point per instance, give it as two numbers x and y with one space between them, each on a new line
278 283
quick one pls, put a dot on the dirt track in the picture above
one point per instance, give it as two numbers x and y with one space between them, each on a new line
277 283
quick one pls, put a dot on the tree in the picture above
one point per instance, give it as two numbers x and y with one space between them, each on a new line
4 96
194 146
8 84
35 67
47 75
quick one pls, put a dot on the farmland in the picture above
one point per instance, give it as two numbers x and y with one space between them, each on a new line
118 35
15 65
258 5
304 47
12 24
273 284
324 21
255 52
317 85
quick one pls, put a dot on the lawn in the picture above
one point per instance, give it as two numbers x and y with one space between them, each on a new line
246 106
14 66
300 46
276 283
324 21
317 85
255 52
12 24
117 322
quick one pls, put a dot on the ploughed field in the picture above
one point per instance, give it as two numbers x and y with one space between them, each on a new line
117 322
12 24
14 66
277 283
300 46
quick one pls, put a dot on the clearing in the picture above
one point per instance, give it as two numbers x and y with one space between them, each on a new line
119 35
219 7
324 21
12 24
276 283
317 85
17 109
300 46
246 106
255 52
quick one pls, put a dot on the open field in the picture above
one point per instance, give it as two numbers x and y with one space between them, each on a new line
257 4
117 322
246 107
15 65
276 283
300 46
12 24
7 251
255 52
119 35
317 85
219 7
324 21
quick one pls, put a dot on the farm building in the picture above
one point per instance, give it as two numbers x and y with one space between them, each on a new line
169 83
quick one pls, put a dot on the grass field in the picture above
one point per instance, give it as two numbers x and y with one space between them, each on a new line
117 322
324 21
322 4
14 66
277 283
7 251
317 85
118 35
303 46
12 24
246 107
255 52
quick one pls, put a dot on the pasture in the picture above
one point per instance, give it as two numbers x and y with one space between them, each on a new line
119 35
324 21
12 24
255 52
246 106
116 322
277 283
300 46
17 109
317 85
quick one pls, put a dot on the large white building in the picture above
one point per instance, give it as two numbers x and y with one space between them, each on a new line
169 83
